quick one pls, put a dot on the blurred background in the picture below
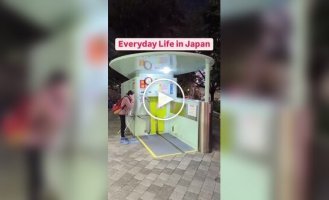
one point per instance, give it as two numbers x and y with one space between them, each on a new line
53 93
274 99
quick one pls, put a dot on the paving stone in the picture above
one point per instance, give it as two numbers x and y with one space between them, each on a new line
178 157
189 174
146 182
201 176
209 183
145 171
134 170
184 182
189 155
217 187
194 189
173 179
133 182
169 158
186 160
148 196
119 184
190 196
133 162
180 189
154 189
188 177
195 186
215 196
216 156
157 171
165 192
176 196
133 196
163 164
139 176
150 167
179 171
117 176
206 190
205 163
155 162
203 167
143 163
114 188
152 176
190 171
158 182
139 159
193 165
120 195
182 166
168 171
134 174
205 196
140 188
207 157
173 164
163 176
198 157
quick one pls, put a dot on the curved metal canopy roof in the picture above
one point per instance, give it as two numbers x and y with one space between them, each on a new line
160 63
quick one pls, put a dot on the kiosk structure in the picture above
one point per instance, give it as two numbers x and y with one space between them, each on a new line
162 119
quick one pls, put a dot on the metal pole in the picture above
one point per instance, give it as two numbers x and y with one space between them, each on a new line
207 81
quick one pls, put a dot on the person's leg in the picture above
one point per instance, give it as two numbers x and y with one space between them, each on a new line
123 140
123 125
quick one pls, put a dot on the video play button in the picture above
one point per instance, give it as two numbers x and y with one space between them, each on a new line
163 99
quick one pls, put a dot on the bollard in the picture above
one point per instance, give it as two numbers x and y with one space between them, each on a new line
204 127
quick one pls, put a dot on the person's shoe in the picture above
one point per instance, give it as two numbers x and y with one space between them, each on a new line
124 140
133 140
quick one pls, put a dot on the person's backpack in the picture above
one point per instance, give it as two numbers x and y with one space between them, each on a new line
117 106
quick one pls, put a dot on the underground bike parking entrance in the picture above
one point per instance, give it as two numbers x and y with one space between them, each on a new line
164 123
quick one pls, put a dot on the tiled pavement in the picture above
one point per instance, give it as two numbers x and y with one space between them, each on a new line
133 174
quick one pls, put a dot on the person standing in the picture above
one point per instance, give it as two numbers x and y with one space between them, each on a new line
127 104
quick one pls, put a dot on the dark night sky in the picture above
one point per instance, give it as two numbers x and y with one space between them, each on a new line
192 5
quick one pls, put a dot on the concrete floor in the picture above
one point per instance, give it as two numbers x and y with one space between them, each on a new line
133 174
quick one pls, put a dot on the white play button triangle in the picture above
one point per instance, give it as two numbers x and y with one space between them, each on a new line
163 99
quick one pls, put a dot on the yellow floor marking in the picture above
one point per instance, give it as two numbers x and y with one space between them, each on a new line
147 148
